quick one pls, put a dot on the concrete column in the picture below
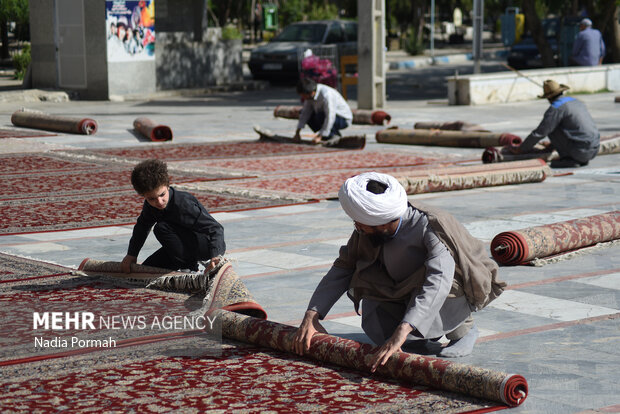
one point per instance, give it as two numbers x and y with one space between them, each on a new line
371 54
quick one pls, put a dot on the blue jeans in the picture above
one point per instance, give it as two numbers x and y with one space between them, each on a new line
318 118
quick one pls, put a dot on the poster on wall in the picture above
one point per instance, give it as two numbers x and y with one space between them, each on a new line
131 30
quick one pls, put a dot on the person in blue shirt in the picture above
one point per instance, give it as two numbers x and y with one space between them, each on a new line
186 231
569 126
589 47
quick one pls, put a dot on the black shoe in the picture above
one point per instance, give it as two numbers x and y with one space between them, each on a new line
567 163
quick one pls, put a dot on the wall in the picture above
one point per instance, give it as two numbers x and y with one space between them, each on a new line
183 62
45 41
505 87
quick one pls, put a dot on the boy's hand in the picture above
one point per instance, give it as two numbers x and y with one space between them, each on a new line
127 262
214 262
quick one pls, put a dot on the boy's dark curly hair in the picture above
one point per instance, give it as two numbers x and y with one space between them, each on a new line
149 175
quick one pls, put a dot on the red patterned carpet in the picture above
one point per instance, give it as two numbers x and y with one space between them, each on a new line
40 163
175 370
317 162
179 152
103 209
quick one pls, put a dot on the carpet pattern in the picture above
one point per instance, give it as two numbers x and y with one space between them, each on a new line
13 268
146 373
16 133
209 151
104 209
321 162
522 246
40 163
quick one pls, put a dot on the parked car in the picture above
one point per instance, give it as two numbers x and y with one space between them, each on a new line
281 56
525 54
560 34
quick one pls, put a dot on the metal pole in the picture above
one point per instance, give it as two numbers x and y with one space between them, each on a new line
477 37
432 28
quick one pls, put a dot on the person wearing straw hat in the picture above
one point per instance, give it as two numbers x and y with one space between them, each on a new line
588 47
569 126
417 272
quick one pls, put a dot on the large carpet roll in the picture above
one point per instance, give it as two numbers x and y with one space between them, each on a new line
360 116
473 176
610 144
151 130
522 246
509 389
450 126
446 138
41 120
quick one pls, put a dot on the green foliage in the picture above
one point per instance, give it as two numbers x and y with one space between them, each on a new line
323 12
21 61
230 32
414 44
291 11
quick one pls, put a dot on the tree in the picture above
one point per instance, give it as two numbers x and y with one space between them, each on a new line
12 11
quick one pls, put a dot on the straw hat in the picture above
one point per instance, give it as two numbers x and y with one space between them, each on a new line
551 88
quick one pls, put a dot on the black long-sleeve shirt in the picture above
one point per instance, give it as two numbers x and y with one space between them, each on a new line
183 210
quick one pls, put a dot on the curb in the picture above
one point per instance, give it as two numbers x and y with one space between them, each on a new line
33 95
424 61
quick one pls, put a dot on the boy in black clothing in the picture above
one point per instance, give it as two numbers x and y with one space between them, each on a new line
186 231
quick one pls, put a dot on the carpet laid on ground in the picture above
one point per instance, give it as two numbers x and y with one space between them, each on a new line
89 210
424 178
207 151
331 161
184 369
522 246
16 133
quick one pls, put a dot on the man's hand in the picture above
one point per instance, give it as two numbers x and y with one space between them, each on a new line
308 327
127 262
390 346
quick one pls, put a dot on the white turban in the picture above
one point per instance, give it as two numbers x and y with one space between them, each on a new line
372 209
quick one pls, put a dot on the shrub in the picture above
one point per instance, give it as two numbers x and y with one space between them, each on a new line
230 32
21 61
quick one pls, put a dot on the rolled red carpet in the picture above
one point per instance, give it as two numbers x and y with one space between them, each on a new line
151 130
48 122
521 246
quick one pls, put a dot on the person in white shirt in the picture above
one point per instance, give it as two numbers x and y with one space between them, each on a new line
325 111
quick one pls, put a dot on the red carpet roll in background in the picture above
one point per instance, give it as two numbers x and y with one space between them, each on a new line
40 120
521 246
151 130
446 138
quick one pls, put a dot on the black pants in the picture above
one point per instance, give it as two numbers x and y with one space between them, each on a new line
318 118
178 249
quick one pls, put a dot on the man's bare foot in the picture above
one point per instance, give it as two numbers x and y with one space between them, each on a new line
316 140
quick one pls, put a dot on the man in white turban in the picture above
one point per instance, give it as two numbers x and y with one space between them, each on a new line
418 273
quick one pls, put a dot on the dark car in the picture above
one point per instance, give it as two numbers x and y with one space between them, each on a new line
281 56
525 54
560 34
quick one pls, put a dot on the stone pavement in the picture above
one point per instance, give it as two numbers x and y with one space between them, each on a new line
558 325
